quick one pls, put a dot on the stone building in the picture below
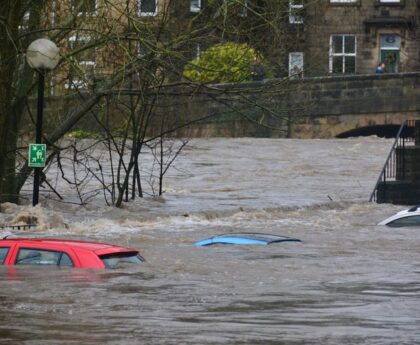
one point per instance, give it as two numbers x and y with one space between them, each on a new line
323 37
297 37
354 36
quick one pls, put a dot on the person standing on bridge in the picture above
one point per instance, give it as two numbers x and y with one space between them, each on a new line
257 70
381 68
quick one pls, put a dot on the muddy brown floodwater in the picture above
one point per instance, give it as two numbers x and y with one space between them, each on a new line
349 282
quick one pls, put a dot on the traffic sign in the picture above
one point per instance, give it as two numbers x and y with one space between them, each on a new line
37 155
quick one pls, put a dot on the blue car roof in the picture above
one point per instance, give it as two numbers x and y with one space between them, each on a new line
245 239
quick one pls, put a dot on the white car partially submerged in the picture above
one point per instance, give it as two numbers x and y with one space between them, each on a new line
410 217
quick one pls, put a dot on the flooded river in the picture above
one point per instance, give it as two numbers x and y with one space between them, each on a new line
348 282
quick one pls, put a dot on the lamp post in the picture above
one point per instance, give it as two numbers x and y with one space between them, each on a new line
41 55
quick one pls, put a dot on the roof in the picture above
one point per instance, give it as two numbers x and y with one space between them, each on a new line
413 211
85 245
245 239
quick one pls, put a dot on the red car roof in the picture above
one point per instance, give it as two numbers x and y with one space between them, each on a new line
96 247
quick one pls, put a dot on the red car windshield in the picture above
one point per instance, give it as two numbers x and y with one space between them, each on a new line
119 259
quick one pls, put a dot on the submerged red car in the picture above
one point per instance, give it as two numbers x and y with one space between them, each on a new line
65 253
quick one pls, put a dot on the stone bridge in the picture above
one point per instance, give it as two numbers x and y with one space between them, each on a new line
359 105
322 107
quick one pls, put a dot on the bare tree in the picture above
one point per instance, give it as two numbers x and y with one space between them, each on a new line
122 73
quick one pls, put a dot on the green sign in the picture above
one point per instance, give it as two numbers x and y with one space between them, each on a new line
37 155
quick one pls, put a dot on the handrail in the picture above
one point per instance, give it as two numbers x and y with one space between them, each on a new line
18 227
382 176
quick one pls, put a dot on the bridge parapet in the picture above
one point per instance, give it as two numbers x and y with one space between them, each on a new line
320 107
343 104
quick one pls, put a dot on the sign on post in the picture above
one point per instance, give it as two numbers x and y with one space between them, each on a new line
37 155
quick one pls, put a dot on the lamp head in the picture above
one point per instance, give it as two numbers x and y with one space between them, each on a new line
42 54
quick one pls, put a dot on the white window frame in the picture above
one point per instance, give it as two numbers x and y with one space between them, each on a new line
76 82
244 9
343 54
198 51
292 64
295 5
25 21
53 12
148 14
195 6
343 1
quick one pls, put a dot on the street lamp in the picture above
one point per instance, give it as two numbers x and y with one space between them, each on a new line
42 55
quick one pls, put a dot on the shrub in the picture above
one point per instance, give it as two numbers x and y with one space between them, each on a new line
222 63
81 134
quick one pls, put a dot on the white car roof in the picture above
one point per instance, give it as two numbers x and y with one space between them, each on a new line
413 211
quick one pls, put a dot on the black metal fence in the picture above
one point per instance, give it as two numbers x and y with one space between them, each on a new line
17 227
394 164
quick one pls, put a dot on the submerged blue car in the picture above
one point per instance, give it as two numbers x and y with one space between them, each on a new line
245 239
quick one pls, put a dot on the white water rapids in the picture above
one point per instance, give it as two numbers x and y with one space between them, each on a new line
349 281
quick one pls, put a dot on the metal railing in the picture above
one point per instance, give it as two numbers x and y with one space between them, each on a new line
17 227
394 164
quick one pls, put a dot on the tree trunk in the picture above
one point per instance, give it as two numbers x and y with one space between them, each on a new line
15 84
8 123
8 139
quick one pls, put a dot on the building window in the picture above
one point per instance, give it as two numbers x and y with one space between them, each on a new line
296 65
25 21
197 51
295 11
83 68
84 7
343 54
195 6
141 50
243 11
239 7
148 7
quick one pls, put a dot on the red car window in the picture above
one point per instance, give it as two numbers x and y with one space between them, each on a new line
3 254
65 261
117 259
34 256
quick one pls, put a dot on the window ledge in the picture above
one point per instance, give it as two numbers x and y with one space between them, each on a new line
400 3
396 21
345 4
